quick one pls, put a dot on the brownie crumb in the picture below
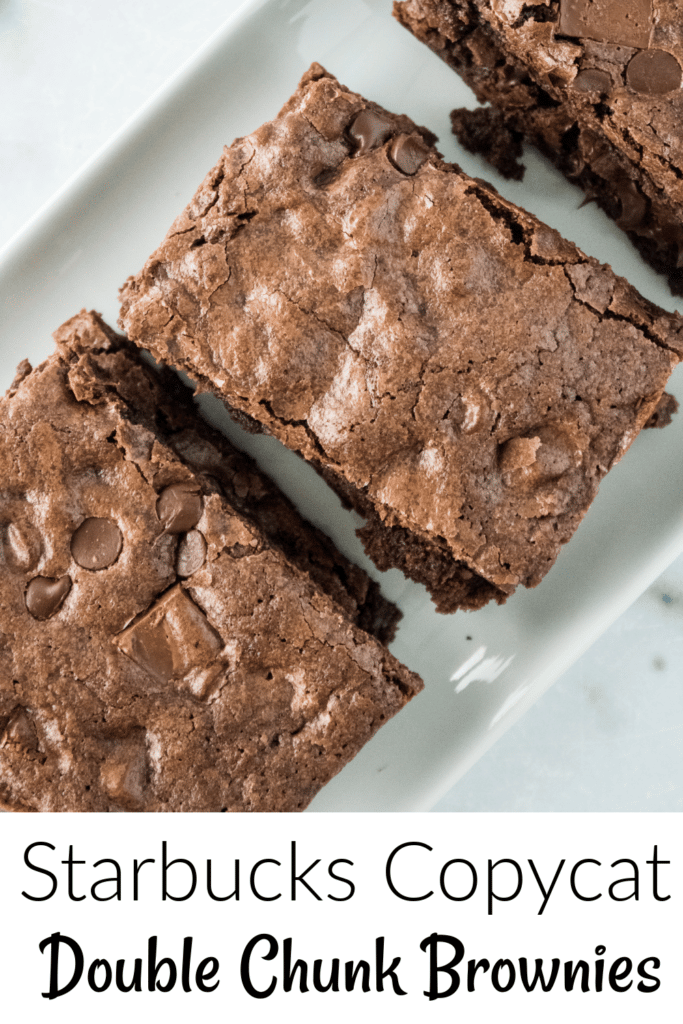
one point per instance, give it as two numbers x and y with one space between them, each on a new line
485 132
664 413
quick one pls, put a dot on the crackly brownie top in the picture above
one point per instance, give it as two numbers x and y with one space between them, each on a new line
157 650
457 361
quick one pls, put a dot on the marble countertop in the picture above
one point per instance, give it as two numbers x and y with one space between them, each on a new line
609 734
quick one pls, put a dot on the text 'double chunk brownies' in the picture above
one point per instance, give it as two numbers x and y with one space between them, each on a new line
458 372
595 84
173 635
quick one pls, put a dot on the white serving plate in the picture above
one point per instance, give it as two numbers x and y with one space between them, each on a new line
481 670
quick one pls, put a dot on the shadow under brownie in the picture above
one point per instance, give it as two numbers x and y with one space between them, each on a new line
458 372
174 635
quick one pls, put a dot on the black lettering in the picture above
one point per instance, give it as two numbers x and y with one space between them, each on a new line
207 969
499 966
41 871
351 972
599 968
186 963
302 876
570 973
153 968
572 880
92 971
252 880
616 974
54 942
165 865
655 864
136 872
390 972
633 879
546 895
70 862
538 977
642 987
289 972
390 882
494 896
245 973
472 967
442 880
136 983
435 968
235 892
116 879
333 983
341 878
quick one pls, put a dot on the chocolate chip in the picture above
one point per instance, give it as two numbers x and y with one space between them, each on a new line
96 543
653 73
44 596
179 507
624 22
408 153
592 80
21 547
191 553
369 130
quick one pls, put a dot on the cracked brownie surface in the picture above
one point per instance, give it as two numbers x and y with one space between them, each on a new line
457 371
595 84
159 650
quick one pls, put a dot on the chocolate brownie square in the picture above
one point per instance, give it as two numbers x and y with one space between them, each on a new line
595 85
458 372
174 636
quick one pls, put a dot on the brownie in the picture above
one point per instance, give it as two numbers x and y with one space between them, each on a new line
164 646
594 84
461 375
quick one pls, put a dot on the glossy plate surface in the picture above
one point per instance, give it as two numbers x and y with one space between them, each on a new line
481 670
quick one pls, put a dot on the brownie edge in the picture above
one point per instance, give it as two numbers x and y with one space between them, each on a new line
159 651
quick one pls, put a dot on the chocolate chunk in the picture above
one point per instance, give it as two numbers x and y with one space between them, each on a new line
44 596
408 153
175 640
592 80
180 507
21 547
96 543
191 553
653 73
369 130
625 22
124 772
